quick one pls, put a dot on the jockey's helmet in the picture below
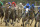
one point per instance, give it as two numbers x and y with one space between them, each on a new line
9 3
1 3
20 3
27 4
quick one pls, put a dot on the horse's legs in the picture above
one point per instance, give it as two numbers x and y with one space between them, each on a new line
18 20
6 24
15 19
23 19
1 20
8 20
12 22
39 24
35 23
22 22
26 23
31 22
15 16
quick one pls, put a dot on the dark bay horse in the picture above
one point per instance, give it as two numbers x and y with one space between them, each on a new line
13 15
1 14
31 15
28 16
7 13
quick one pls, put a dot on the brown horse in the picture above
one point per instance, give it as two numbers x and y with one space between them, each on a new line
13 15
1 14
7 13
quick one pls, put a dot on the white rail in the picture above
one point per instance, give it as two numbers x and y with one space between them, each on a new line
36 6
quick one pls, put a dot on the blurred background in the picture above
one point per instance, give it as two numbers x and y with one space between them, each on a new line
35 2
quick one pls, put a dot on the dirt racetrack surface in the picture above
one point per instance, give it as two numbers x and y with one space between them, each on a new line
17 24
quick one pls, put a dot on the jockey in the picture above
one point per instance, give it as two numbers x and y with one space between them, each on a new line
1 4
33 6
9 3
13 4
27 7
20 6
6 5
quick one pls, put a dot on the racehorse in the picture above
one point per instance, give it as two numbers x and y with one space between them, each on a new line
28 16
1 14
13 15
31 15
7 13
19 12
37 19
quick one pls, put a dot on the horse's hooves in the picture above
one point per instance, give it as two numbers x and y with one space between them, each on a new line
22 25
1 23
6 24
18 21
11 23
34 26
30 24
8 21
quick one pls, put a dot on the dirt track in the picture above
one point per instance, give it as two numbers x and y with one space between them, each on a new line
17 24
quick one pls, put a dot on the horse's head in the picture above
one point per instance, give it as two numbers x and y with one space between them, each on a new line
32 8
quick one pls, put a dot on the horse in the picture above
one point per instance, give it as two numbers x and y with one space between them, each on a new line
13 15
7 13
28 16
37 18
1 14
19 12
